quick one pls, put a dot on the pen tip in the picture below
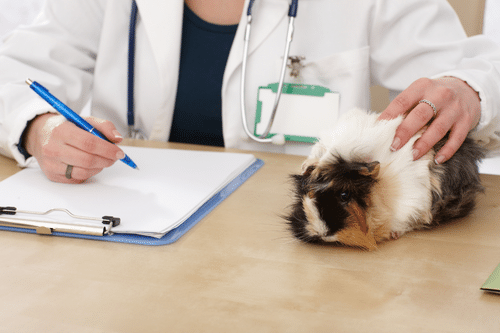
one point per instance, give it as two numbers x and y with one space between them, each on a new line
29 82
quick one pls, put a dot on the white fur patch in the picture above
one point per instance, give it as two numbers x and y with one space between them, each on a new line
316 226
360 136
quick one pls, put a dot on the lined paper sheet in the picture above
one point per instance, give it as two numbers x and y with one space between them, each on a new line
169 187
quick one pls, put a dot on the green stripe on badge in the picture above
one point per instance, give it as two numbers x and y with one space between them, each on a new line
299 89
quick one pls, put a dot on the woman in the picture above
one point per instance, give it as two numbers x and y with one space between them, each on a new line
79 49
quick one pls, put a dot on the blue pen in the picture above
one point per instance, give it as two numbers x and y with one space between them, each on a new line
71 115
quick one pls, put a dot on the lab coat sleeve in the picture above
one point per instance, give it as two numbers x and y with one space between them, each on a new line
58 51
424 38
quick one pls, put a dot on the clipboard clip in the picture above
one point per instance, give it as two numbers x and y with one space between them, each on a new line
46 227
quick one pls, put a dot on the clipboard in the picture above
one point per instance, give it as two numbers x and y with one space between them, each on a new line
103 228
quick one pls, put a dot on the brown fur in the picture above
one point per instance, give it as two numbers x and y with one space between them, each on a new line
356 233
353 202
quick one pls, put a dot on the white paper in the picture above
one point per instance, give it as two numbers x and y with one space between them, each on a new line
169 187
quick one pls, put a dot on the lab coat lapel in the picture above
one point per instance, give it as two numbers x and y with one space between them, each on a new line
163 23
266 16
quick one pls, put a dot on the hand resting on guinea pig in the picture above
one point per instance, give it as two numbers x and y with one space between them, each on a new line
355 191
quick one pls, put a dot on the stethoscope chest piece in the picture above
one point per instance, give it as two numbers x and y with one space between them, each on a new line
135 133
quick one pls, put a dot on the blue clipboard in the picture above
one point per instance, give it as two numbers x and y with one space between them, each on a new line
172 235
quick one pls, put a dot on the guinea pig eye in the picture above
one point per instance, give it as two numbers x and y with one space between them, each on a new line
345 196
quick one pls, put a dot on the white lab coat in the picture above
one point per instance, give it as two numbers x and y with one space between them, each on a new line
78 49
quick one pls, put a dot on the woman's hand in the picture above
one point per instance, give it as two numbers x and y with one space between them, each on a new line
458 111
57 143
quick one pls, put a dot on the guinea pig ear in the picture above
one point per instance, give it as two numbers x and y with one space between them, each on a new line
370 169
308 167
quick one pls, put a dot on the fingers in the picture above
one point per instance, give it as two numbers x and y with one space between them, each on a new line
457 111
106 128
57 172
414 121
419 114
403 103
58 144
457 134
86 150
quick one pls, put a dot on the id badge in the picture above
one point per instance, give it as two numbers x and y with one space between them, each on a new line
304 111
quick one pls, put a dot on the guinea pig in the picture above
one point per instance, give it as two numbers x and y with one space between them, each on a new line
355 191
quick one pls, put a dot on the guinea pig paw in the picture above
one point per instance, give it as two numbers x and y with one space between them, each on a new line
395 235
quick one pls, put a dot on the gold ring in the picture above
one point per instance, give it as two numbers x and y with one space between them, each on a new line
430 104
69 170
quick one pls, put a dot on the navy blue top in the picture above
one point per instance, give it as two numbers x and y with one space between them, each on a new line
198 104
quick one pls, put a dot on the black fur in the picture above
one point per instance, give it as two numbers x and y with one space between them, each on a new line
336 185
460 182
297 217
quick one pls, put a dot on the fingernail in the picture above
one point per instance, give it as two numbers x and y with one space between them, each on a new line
395 144
120 155
415 153
117 134
439 159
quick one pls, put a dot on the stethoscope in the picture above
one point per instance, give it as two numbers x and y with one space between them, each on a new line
133 132
278 138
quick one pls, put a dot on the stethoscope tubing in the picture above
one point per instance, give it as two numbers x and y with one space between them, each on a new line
292 13
131 70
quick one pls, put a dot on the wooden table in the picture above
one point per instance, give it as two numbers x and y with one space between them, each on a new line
239 270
